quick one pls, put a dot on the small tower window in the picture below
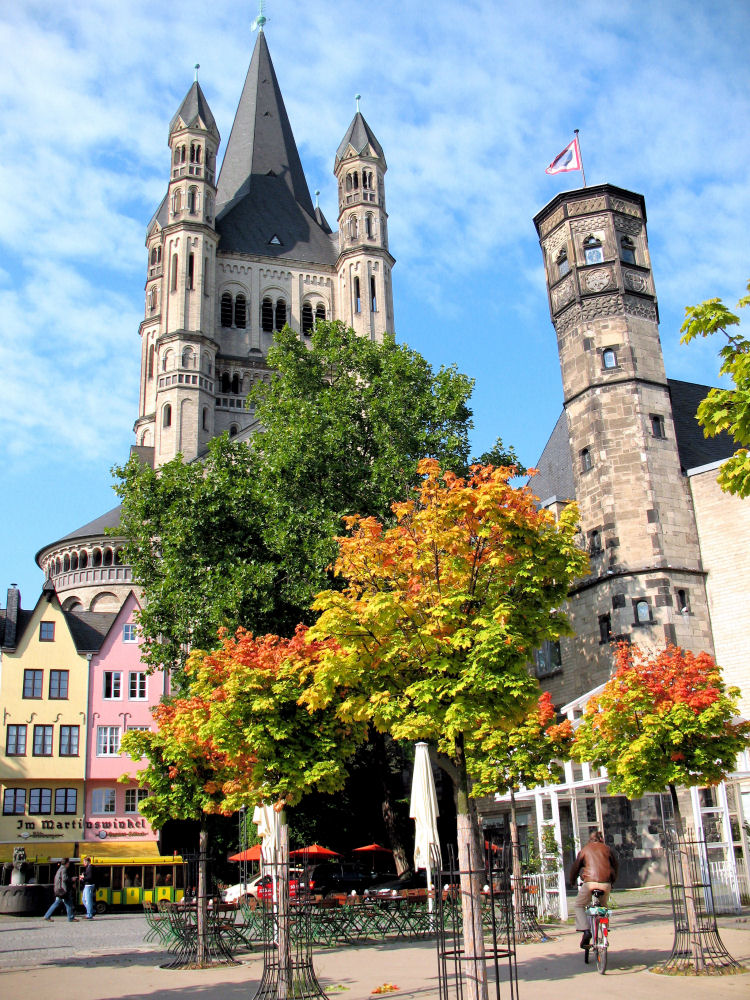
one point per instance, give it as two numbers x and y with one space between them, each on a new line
307 319
373 297
150 368
192 200
357 298
355 180
320 311
657 425
353 227
586 462
266 316
166 415
280 315
683 602
595 542
369 227
609 358
605 629
153 257
152 299
642 612
176 203
562 263
205 418
627 250
592 250
225 383
233 431
209 205
348 182
174 273
191 272
235 384
226 309
187 358
240 312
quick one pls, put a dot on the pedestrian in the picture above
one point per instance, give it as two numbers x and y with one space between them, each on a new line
89 888
597 866
63 890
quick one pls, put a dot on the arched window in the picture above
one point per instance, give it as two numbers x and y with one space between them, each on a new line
195 152
191 271
205 418
153 257
74 561
233 430
642 612
119 558
66 564
174 272
307 318
182 154
348 182
177 154
96 559
150 369
373 296
209 205
152 298
83 559
357 298
158 255
592 250
192 200
235 383
353 227
58 566
563 264
585 460
225 383
166 415
280 319
107 557
595 542
369 229
366 178
355 180
627 250
177 202
240 312
166 361
226 309
320 311
266 316
187 358
609 358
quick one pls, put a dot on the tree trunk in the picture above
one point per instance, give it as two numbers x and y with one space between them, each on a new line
390 817
282 910
202 901
515 848
691 911
471 880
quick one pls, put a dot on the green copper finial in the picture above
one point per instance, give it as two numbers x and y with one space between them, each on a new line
261 19
317 199
197 67
358 98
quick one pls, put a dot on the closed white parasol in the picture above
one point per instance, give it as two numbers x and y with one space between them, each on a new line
424 812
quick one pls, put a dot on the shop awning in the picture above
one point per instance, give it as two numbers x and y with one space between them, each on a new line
121 849
41 853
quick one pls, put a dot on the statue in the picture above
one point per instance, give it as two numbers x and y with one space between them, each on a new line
21 868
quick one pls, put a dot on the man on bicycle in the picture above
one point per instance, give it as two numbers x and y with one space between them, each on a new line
597 866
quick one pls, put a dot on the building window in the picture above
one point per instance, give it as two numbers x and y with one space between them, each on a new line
548 659
562 263
42 741
134 796
595 542
14 802
151 361
373 296
40 801
107 741
204 418
103 800
320 312
191 272
192 200
112 684
642 612
266 316
280 319
174 272
605 629
627 250
585 460
129 633
657 425
307 319
226 309
66 801
592 250
609 358
683 602
32 683
58 684
15 741
46 631
166 415
137 685
68 741
233 430
357 297
240 312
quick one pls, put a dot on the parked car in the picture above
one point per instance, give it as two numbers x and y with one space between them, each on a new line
408 880
261 887
337 876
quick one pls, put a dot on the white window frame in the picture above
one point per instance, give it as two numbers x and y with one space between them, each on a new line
129 633
115 684
139 794
141 681
104 801
107 741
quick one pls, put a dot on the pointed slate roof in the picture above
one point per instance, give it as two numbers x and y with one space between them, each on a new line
359 136
262 191
194 109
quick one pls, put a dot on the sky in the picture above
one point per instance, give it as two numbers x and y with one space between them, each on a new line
470 102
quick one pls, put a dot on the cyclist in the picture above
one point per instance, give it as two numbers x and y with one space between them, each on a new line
597 866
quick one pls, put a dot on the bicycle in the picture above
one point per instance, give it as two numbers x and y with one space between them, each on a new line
599 921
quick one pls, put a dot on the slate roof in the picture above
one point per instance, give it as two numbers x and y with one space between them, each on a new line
359 135
263 203
89 628
194 108
695 449
555 467
96 527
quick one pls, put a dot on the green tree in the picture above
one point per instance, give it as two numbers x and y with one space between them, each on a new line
436 624
726 409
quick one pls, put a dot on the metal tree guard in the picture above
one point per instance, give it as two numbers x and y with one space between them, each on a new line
697 946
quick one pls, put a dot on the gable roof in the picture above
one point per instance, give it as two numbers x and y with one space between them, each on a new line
694 447
89 628
262 191
359 136
555 468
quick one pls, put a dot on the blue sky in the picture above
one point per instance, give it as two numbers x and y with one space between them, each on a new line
470 102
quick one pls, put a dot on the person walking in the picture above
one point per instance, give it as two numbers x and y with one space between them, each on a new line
89 888
597 866
63 890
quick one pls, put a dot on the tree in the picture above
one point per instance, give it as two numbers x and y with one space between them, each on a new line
524 756
436 623
664 719
726 409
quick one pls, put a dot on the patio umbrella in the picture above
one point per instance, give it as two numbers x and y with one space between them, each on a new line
313 851
373 849
424 811
250 854
266 819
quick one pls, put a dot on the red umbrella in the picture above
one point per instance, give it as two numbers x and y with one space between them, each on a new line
314 851
251 854
373 849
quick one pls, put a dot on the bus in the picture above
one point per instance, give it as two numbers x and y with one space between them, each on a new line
131 881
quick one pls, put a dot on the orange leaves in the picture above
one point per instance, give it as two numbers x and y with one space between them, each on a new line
672 676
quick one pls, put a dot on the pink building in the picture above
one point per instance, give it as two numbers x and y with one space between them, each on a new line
121 695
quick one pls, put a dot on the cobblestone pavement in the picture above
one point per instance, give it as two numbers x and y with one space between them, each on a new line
106 958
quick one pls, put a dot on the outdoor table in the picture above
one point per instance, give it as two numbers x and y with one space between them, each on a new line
220 936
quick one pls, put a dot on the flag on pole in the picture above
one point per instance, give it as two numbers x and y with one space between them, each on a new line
569 159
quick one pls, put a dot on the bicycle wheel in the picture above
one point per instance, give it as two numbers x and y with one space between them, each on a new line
602 941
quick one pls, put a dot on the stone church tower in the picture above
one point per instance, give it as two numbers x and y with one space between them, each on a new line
646 579
230 260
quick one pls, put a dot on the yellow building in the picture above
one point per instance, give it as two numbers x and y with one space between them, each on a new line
44 697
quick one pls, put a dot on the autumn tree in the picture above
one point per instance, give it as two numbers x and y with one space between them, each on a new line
436 623
726 409
664 719
524 756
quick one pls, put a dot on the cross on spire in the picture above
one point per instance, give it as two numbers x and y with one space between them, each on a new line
261 19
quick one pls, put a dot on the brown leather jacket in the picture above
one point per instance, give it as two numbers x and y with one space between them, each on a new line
595 863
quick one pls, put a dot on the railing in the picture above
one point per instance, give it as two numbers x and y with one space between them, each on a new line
729 885
92 575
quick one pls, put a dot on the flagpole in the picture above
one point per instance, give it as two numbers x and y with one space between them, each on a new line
578 141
